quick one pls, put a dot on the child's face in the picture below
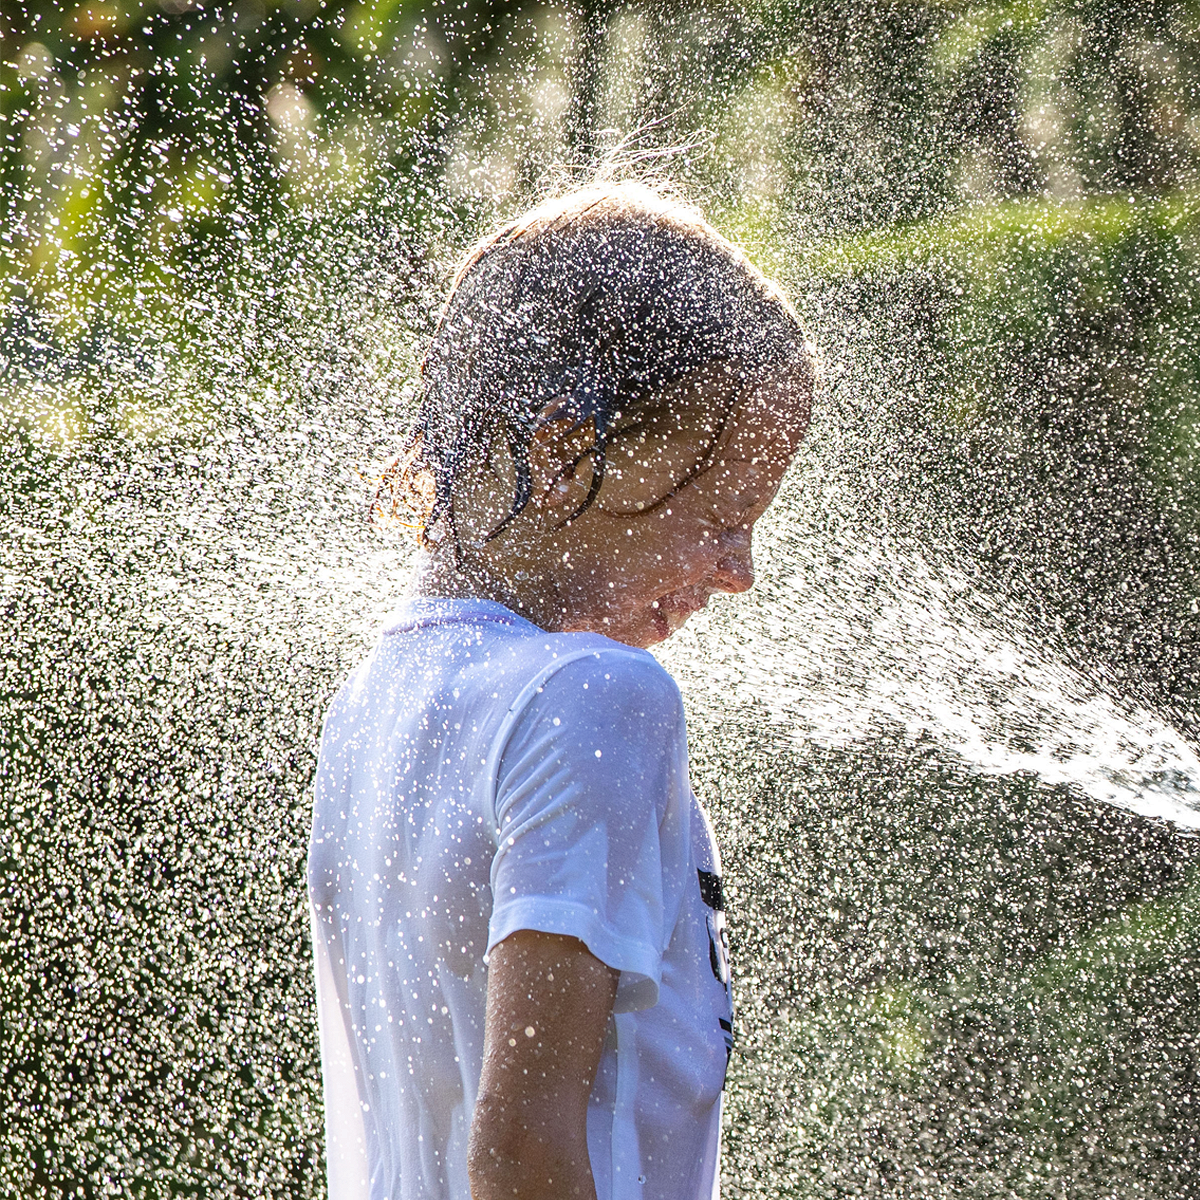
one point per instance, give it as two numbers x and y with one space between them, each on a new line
634 566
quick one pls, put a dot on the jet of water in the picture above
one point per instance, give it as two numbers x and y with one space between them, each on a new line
844 641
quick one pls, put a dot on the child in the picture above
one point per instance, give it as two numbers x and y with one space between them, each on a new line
518 920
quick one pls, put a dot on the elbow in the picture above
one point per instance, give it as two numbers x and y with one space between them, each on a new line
493 1147
498 1150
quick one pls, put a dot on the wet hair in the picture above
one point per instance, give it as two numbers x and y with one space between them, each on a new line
585 308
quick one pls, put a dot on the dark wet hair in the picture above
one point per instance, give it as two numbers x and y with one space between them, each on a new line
586 308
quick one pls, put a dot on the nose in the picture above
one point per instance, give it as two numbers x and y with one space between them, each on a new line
734 569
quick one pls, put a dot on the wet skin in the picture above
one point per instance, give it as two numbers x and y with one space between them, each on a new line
672 525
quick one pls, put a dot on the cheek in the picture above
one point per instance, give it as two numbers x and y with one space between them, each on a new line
702 543
691 553
664 554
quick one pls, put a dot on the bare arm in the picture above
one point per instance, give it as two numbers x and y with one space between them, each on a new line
548 1004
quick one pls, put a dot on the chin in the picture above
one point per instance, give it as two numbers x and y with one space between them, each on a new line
650 625
642 631
660 627
655 626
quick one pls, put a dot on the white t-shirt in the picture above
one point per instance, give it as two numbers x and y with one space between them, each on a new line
478 776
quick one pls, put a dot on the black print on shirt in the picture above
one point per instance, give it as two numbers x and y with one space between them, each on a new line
711 891
718 942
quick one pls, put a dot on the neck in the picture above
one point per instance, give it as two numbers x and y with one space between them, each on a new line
441 574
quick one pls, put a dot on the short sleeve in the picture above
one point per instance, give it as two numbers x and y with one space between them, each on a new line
592 815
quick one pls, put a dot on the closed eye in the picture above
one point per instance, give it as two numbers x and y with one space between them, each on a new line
735 495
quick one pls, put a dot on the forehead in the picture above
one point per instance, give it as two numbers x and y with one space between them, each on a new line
722 412
694 407
701 429
768 424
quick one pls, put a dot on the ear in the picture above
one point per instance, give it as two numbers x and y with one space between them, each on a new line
560 468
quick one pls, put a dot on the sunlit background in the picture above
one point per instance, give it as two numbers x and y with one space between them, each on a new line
949 741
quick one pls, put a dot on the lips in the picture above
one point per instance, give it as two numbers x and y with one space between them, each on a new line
668 613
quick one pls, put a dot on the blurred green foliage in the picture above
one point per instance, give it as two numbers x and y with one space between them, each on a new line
1000 196
961 987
